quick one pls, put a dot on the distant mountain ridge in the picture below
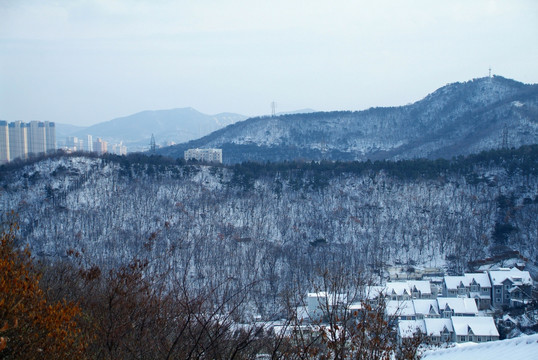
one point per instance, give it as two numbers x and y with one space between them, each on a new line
177 125
457 119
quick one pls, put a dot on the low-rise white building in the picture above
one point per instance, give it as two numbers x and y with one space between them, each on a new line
471 285
449 307
406 290
455 329
206 155
476 329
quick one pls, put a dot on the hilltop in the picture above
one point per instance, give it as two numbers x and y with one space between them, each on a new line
457 119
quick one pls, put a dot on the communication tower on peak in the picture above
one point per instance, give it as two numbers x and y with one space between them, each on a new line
152 145
489 72
273 109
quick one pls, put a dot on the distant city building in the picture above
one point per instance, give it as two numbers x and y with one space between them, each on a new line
19 139
100 146
119 149
206 155
89 144
50 137
4 142
73 143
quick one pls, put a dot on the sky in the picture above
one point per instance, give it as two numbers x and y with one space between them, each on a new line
82 62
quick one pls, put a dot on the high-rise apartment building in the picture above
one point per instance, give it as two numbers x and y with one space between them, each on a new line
100 146
89 144
19 139
50 135
37 138
4 142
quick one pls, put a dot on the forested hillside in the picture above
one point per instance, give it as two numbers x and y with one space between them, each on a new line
275 224
457 119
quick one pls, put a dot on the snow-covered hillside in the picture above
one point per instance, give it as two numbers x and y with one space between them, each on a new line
457 119
279 226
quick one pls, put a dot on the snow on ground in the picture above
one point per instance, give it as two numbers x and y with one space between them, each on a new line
525 347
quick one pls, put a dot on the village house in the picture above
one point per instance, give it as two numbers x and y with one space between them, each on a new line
406 290
476 329
455 329
510 287
437 330
455 317
449 307
471 285
412 309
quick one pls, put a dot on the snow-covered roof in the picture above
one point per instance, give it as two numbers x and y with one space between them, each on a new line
453 282
400 308
515 275
421 285
436 326
481 279
479 325
401 287
459 305
331 298
397 287
426 306
525 347
412 307
407 328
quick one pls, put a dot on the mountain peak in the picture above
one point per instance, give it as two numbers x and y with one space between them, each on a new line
457 119
168 125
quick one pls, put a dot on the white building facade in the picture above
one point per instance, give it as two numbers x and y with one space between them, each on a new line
18 140
206 155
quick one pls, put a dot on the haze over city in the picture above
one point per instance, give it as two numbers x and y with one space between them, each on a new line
84 62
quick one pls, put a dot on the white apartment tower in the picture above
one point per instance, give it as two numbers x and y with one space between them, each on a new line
89 144
50 136
4 142
19 139
37 138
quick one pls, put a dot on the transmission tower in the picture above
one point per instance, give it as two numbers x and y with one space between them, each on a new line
273 109
152 145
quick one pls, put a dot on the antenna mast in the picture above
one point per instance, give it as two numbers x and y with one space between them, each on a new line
273 109
152 145
490 71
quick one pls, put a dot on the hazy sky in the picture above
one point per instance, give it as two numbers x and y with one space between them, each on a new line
87 61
